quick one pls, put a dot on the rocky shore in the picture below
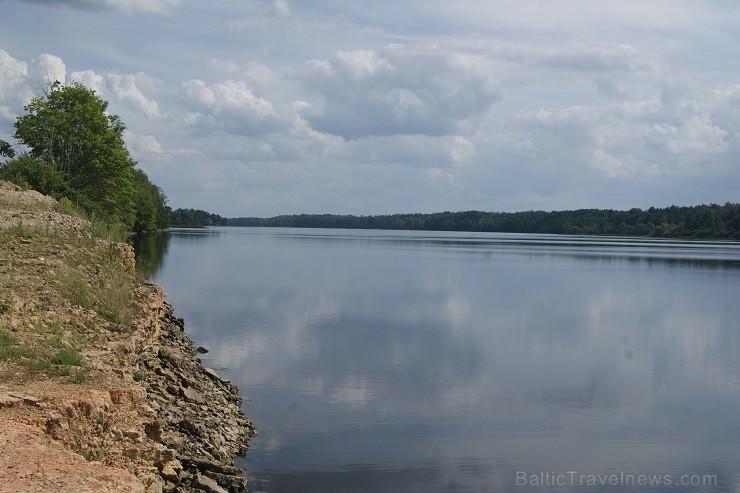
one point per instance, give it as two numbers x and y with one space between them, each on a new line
100 387
198 413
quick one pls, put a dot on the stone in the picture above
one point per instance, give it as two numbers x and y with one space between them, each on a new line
207 484
154 431
193 395
126 396
170 470
132 435
11 399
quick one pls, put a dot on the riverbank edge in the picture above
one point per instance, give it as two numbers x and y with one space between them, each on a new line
199 413
149 418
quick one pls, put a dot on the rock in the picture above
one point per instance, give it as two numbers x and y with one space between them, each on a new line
127 396
231 483
170 470
153 483
193 396
207 484
132 435
154 431
201 350
11 399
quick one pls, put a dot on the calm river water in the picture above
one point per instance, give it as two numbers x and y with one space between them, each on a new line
380 361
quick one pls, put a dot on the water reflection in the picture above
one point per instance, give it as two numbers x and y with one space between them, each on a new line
401 365
150 252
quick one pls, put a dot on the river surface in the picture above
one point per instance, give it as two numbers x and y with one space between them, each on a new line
398 361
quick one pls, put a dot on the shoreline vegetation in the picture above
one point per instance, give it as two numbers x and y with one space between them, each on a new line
718 222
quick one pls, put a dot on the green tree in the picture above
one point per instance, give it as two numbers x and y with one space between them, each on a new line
29 172
152 212
6 149
69 129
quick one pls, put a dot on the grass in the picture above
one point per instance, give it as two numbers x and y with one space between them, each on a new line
105 287
46 275
93 455
68 356
53 357
10 350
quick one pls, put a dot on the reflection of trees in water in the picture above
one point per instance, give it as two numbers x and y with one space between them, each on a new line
150 250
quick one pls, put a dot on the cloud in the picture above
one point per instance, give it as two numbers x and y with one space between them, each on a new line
46 69
695 134
125 6
398 90
231 106
282 8
262 14
418 151
258 76
14 88
131 90
20 81
623 166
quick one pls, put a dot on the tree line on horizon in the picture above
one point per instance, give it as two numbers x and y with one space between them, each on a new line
76 154
702 221
195 218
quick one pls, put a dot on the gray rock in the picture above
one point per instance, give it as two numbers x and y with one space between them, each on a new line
207 484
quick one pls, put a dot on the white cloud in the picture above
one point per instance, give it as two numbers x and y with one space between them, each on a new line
46 69
622 167
20 81
230 106
125 6
131 90
696 134
282 8
145 147
419 151
398 90
14 89
262 14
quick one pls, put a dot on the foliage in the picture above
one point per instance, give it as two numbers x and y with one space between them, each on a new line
702 221
32 173
76 150
110 296
6 149
68 356
150 202
195 218
69 129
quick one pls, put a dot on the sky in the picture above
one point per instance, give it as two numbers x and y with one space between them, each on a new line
267 107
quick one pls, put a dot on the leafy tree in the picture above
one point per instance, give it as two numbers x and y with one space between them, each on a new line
29 172
150 202
69 129
195 218
6 149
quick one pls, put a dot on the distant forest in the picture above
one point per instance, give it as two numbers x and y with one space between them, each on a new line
194 218
701 221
